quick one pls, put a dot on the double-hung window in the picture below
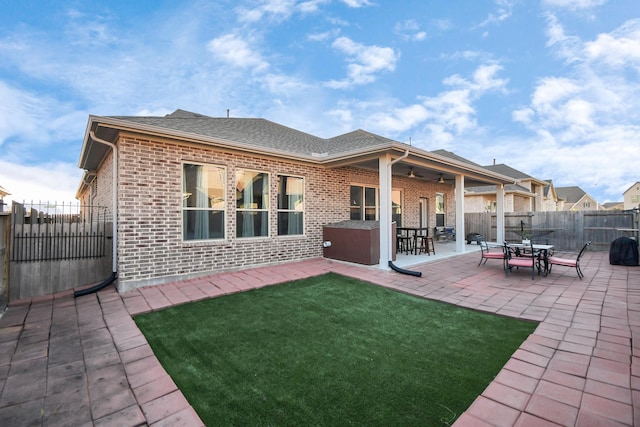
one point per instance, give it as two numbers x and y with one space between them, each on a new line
252 204
290 205
203 202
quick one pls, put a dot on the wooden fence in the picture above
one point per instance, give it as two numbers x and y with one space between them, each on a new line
565 230
56 247
55 236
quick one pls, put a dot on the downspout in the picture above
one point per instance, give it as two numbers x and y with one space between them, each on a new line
114 232
404 156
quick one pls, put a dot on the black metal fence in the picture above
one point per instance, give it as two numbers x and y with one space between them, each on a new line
57 232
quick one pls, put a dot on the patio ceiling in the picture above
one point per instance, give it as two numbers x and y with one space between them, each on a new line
429 167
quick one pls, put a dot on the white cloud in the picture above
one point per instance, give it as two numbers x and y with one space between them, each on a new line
311 5
277 9
318 37
365 62
89 30
484 78
566 47
447 115
44 182
236 51
402 119
283 84
503 13
357 3
618 49
410 30
552 90
29 122
586 120
574 4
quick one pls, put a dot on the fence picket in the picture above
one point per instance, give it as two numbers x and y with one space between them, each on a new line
568 230
43 236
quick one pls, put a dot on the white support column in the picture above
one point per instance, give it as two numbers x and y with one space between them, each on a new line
385 211
460 233
499 214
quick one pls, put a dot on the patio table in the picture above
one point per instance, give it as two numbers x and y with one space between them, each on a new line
543 253
414 233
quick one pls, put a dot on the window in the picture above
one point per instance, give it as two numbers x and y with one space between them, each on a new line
252 204
440 209
635 199
290 206
203 202
364 203
396 207
356 203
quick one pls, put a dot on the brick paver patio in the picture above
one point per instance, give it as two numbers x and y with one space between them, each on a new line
66 361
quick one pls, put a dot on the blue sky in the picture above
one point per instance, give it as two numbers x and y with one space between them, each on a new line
549 87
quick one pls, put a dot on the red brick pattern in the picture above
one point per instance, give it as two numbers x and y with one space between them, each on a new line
84 361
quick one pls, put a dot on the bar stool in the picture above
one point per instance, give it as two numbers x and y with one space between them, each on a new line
404 244
426 245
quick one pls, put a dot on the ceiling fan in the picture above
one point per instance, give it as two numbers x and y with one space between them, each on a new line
412 174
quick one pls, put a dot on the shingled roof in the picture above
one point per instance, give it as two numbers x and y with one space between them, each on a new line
454 156
260 133
508 171
570 194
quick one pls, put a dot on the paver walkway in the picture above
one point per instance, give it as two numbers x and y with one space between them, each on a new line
77 362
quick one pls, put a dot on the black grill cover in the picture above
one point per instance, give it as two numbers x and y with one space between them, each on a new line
624 251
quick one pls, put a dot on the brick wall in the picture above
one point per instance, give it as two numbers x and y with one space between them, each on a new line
150 246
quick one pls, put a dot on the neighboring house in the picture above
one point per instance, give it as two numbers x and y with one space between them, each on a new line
550 199
576 199
632 197
193 194
3 193
524 194
613 206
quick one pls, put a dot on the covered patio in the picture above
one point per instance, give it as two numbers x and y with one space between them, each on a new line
433 174
66 361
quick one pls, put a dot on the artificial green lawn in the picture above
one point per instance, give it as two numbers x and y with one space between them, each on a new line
330 350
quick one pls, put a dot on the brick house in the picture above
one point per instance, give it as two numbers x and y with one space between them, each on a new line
3 193
575 198
632 197
524 194
195 194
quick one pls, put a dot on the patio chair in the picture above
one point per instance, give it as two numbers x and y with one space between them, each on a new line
524 259
487 252
569 262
